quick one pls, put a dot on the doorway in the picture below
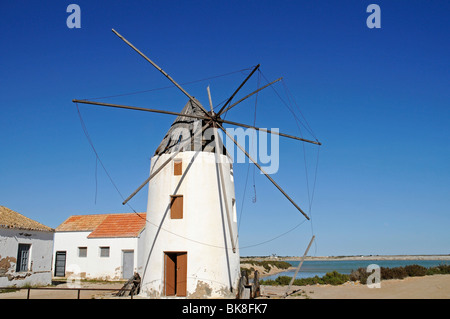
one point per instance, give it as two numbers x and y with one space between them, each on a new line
60 264
127 264
175 273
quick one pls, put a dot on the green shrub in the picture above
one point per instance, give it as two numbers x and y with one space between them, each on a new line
400 272
332 278
439 270
360 275
335 278
393 273
415 270
283 280
268 282
309 281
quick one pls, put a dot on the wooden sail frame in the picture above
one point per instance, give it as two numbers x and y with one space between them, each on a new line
214 120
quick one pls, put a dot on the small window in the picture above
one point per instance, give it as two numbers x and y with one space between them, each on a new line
82 252
233 201
177 167
23 257
176 207
104 251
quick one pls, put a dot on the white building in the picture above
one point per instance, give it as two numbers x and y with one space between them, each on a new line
25 251
191 246
102 246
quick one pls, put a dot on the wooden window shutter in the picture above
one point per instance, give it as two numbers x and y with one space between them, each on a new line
177 167
176 207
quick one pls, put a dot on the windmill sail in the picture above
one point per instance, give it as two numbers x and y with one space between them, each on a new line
190 248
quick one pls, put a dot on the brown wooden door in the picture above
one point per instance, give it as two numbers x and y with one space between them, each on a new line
169 274
181 274
175 273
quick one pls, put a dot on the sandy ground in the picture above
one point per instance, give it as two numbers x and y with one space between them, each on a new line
427 287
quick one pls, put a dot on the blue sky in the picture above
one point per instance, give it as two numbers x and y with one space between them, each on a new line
378 100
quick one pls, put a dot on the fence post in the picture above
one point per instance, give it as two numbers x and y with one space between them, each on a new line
256 287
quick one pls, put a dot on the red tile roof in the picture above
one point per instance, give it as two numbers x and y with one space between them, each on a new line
81 223
106 225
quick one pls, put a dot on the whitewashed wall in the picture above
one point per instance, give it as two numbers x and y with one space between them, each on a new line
40 257
93 266
212 267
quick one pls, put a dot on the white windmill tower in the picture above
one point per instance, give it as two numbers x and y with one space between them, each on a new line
191 242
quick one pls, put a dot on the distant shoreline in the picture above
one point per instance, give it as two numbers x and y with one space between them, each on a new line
360 257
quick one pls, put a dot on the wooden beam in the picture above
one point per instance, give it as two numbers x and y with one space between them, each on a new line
210 101
237 90
267 175
192 116
222 181
141 109
160 70
299 266
247 96
269 131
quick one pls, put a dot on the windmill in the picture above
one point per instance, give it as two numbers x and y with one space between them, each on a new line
191 244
